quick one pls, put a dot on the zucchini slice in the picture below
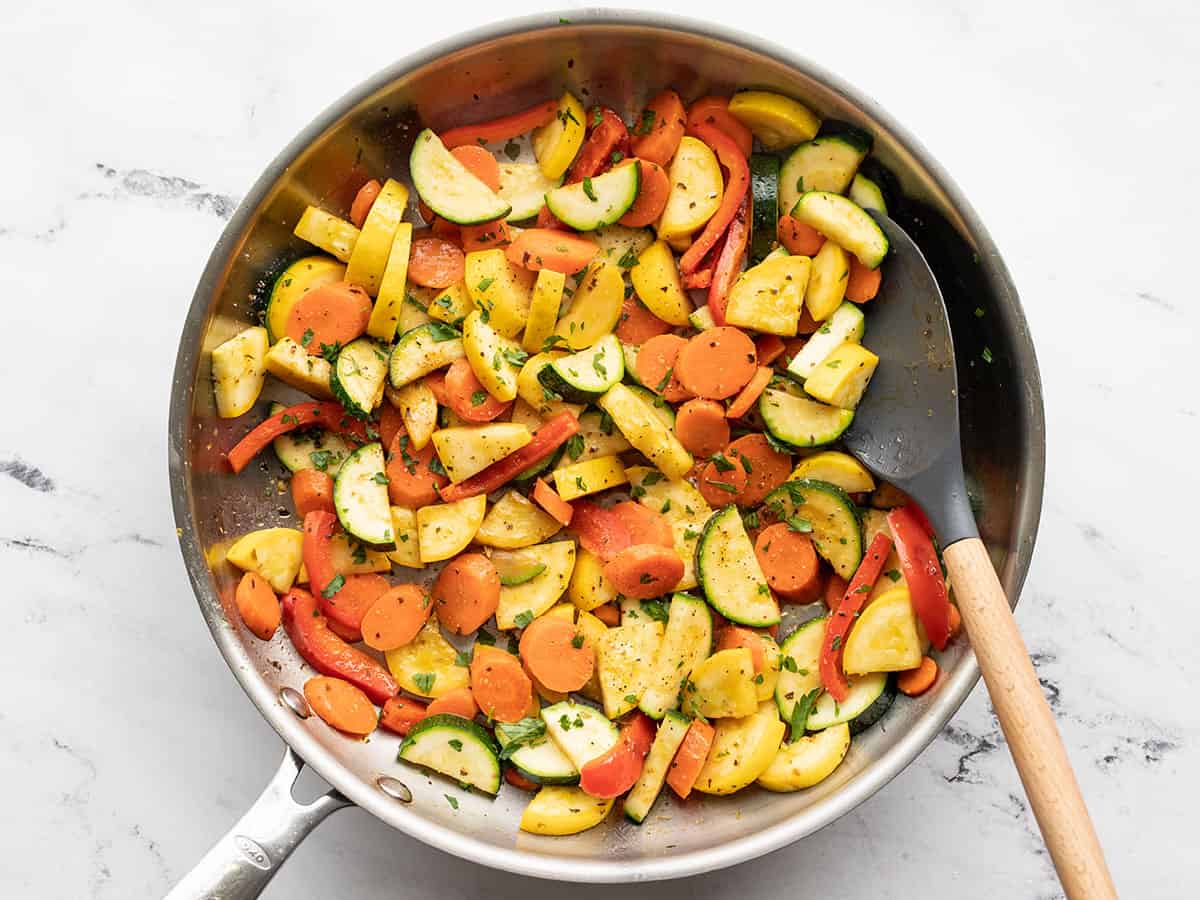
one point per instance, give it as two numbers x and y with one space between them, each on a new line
722 686
800 672
310 448
671 732
539 593
556 143
448 187
867 194
845 223
686 642
661 407
359 375
696 189
642 427
865 694
842 378
837 468
885 637
581 732
591 477
800 422
595 202
729 574
559 810
764 190
807 761
422 350
524 187
539 760
836 532
585 375
455 747
293 283
445 529
822 164
777 121
827 284
742 749
702 318
360 496
846 324
600 437
595 308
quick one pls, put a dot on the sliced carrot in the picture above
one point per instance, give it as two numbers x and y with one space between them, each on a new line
396 617
600 530
411 483
701 426
863 283
722 480
391 423
789 562
609 614
400 714
502 129
835 590
715 111
483 237
258 606
444 229
363 201
557 654
548 248
606 132
466 592
436 382
701 278
458 702
480 163
311 490
436 263
656 367
799 238
652 194
514 777
749 395
467 398
689 758
769 348
955 620
341 705
644 570
499 684
716 363
806 325
644 524
347 606
547 498
331 314
733 637
657 134
917 681
767 467
637 324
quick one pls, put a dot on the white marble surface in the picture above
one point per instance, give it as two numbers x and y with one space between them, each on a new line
131 130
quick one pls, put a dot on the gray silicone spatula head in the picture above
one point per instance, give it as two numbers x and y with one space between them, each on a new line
906 428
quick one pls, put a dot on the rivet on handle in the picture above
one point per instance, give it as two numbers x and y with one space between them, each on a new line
294 700
395 789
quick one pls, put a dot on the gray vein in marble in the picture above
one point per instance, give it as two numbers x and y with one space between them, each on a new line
144 183
35 546
30 476
1156 301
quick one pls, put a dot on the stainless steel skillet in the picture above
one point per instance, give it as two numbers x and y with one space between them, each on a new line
620 59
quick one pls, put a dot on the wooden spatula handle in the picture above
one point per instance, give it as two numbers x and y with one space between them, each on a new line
1028 724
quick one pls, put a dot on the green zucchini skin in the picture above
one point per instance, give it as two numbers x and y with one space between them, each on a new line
728 572
455 747
764 192
584 376
876 711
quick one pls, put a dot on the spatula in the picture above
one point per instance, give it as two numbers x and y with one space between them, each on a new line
906 431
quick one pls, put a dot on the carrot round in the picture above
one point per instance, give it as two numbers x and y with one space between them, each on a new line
637 324
458 702
341 705
715 111
863 283
656 367
446 230
436 263
396 617
391 423
466 592
716 363
644 570
411 483
258 606
652 195
722 480
557 654
701 426
657 134
800 238
400 714
733 637
609 614
502 129
749 395
311 490
769 348
689 758
331 314
499 685
347 606
436 382
363 201
480 163
549 500
644 525
766 466
789 562
466 396
548 248
483 237
917 681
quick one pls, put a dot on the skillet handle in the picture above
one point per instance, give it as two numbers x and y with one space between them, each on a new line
241 863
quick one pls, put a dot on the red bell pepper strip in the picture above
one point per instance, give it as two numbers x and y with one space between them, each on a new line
923 572
600 530
552 435
616 771
326 414
606 133
736 185
317 548
729 262
502 129
768 348
833 679
328 653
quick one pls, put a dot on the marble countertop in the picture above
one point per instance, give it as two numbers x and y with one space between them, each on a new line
133 130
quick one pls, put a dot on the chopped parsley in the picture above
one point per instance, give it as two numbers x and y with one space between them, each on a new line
306 338
478 398
628 259
577 642
380 478
522 619
484 284
655 609
424 681
335 585
520 733
574 446
453 803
